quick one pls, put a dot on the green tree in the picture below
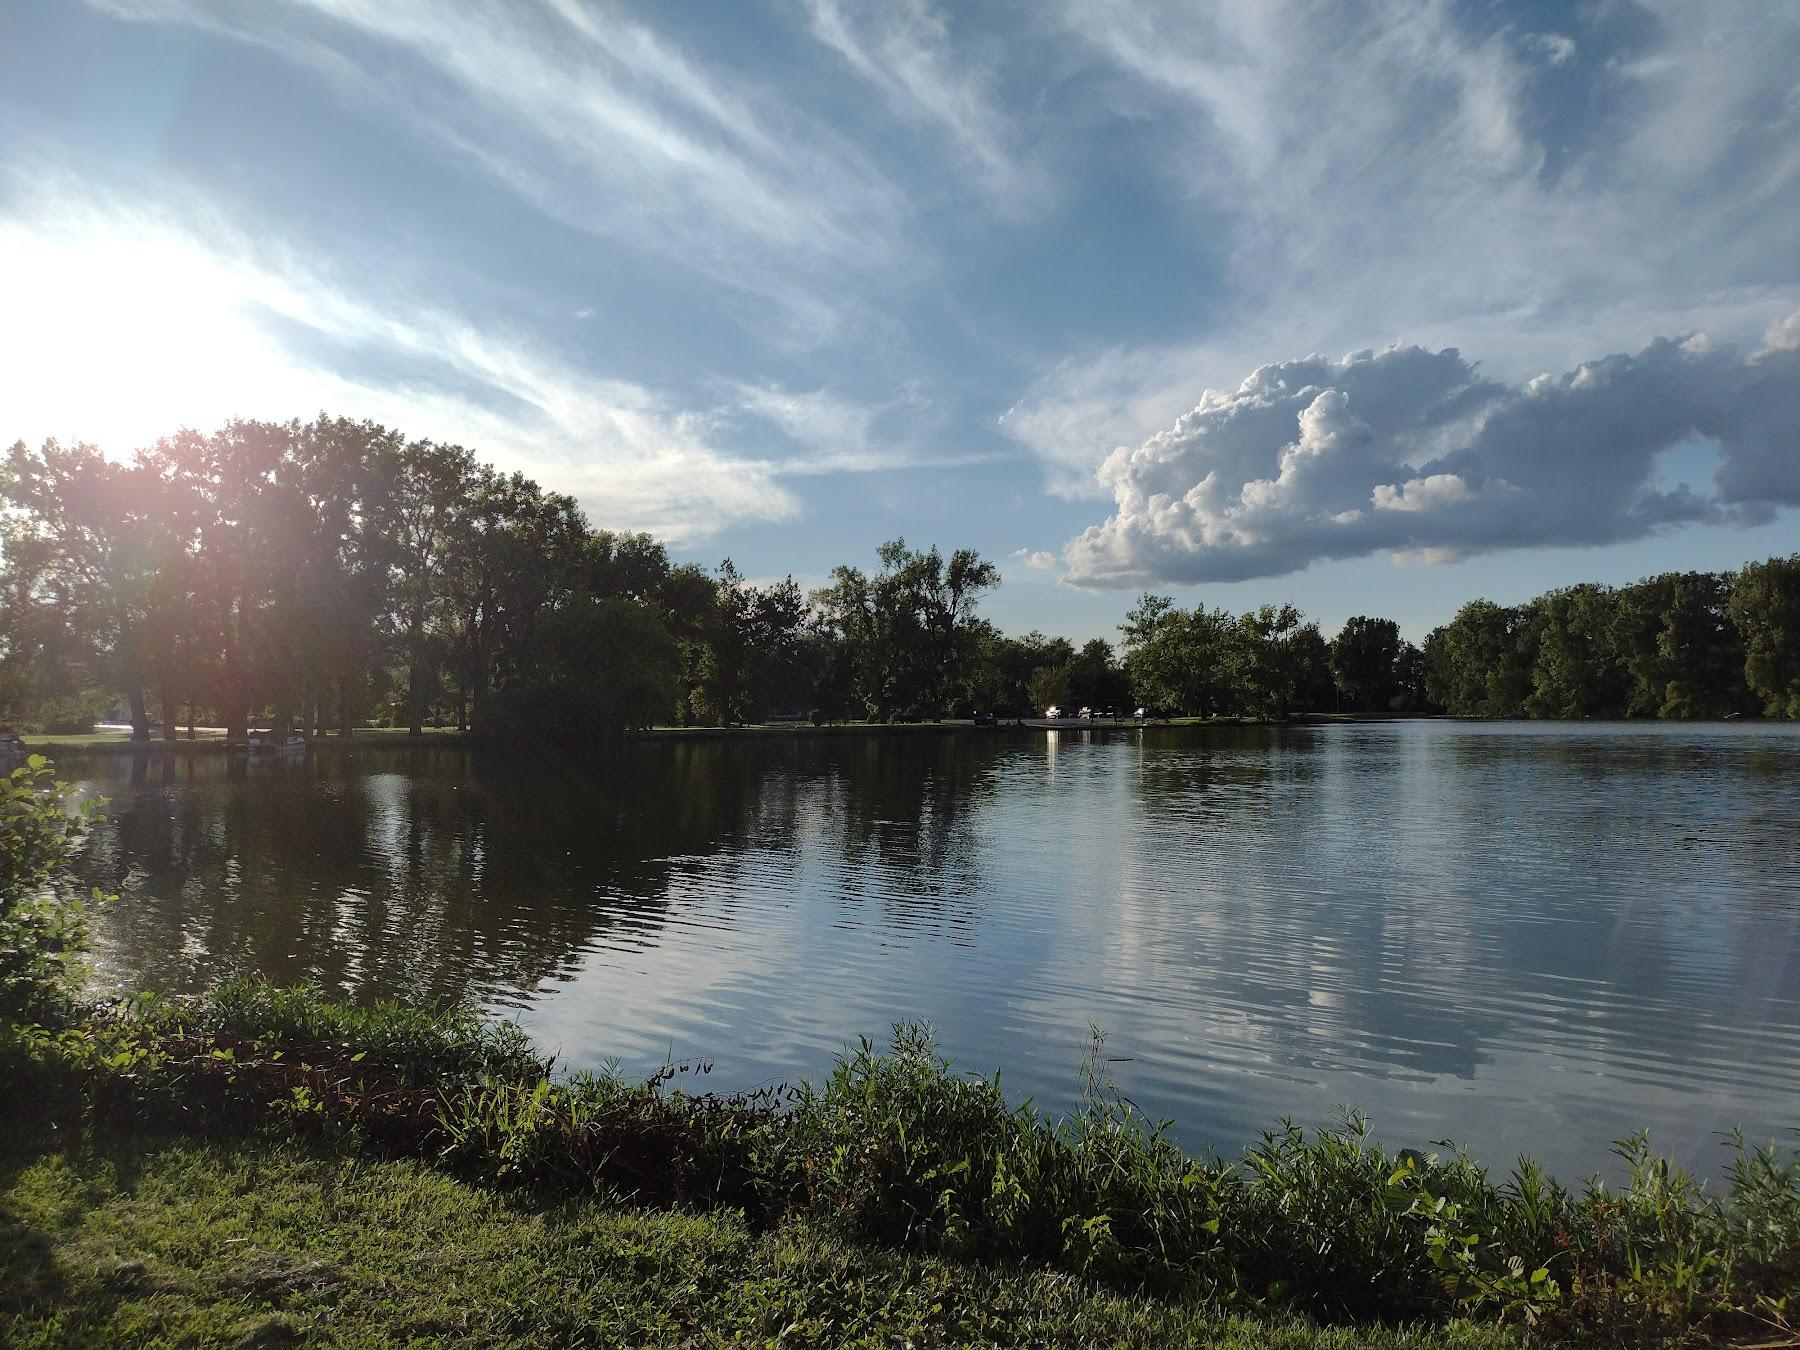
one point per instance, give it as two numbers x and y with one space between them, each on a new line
1577 671
910 631
1765 610
1266 659
1700 651
1096 680
1479 664
1364 656
1051 687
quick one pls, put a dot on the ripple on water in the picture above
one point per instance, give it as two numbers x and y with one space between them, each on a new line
1522 936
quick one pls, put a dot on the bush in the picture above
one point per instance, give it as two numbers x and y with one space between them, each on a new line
42 935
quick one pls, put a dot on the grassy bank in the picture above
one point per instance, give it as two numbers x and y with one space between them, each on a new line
898 1198
145 1239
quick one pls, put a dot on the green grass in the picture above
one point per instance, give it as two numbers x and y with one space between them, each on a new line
149 1240
920 1194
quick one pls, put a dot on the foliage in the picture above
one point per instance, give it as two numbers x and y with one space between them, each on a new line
1765 609
41 929
159 1241
1365 658
325 573
909 630
896 1150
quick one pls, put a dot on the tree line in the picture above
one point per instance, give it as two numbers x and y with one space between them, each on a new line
325 575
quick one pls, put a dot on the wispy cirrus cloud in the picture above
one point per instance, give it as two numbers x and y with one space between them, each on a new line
832 432
905 50
600 122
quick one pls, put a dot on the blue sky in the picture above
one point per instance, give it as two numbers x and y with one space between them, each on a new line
780 280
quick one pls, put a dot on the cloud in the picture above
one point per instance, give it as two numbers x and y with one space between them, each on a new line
123 325
1429 172
834 433
1417 453
1040 561
1558 48
602 124
904 49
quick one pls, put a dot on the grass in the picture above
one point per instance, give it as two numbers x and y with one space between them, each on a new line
159 1241
906 1200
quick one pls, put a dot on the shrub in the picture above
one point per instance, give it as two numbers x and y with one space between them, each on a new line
42 935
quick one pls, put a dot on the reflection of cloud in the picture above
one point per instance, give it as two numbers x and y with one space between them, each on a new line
146 325
1414 452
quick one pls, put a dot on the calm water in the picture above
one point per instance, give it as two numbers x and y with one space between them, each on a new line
1524 937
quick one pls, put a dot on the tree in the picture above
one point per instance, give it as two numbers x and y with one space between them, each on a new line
910 631
754 654
1479 664
601 667
1269 675
1310 654
1577 671
1699 650
1096 679
1364 656
1765 610
1409 679
1154 656
429 489
1051 687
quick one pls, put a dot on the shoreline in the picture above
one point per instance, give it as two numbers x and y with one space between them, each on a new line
896 1158
387 738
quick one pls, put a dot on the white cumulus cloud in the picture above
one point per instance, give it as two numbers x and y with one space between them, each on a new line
1417 453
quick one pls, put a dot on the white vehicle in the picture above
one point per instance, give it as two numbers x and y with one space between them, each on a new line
1086 714
1052 713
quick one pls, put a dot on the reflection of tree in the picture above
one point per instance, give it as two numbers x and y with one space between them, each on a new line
902 815
430 874
414 872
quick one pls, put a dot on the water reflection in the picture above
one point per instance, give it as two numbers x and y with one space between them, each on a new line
1520 936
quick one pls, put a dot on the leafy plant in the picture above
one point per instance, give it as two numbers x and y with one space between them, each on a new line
42 934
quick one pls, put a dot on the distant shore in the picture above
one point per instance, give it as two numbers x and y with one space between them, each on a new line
212 741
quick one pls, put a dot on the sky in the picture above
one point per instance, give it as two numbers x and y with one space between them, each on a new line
1375 309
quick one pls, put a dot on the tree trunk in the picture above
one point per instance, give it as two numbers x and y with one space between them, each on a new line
140 713
416 676
170 714
237 699
344 705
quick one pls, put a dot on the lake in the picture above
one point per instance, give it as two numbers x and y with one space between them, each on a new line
1525 937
